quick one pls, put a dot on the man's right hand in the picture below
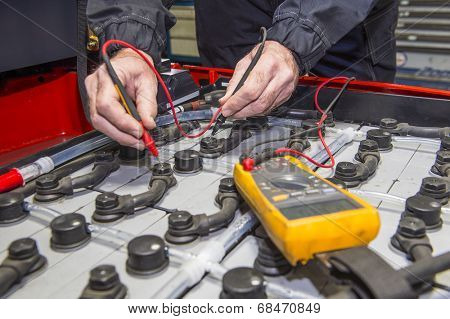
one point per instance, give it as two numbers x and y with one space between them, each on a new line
106 110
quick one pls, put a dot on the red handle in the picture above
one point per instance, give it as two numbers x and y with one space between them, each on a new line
11 180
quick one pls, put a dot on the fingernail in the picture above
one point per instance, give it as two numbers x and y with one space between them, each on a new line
223 99
140 146
152 123
139 132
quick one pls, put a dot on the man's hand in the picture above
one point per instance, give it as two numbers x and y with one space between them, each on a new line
106 110
269 84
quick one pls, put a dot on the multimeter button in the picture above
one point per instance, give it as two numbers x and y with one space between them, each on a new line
279 198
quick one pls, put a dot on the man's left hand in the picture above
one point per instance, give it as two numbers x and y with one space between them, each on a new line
269 84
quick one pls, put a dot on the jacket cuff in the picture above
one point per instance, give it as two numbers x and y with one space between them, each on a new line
304 38
137 30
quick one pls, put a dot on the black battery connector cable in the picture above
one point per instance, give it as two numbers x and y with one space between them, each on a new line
110 207
353 175
185 227
23 259
221 118
49 187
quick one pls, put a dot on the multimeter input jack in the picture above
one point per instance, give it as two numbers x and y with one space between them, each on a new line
185 227
110 207
50 187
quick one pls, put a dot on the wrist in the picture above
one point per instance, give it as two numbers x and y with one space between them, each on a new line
129 53
287 53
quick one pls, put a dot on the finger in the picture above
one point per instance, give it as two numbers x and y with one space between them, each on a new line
263 103
239 71
282 97
110 130
108 105
254 86
237 76
91 87
146 89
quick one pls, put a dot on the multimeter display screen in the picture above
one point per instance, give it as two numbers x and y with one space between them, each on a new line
324 207
296 193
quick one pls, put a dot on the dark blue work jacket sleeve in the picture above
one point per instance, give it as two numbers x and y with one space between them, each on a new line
142 23
310 27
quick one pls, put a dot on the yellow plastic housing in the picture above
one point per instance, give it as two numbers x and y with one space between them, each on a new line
298 240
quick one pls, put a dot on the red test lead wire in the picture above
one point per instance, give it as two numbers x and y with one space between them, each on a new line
323 118
166 90
319 124
150 143
320 87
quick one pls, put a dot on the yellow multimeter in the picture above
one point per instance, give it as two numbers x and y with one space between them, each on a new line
303 213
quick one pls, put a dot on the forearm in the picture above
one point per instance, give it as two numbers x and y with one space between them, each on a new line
142 23
309 28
